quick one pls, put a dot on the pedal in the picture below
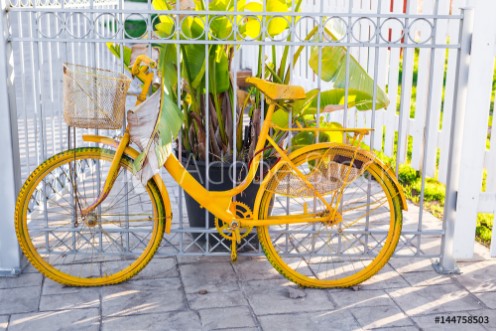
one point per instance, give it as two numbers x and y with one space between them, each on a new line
235 240
234 251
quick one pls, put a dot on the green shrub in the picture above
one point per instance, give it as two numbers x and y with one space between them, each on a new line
483 233
407 175
434 191
484 227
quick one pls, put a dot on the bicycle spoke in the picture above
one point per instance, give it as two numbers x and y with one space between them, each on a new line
346 243
106 241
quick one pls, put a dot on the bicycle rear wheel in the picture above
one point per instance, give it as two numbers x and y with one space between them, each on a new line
333 253
111 244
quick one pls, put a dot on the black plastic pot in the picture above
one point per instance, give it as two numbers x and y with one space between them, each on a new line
220 179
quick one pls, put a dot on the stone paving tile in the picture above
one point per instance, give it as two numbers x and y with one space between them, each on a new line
208 276
217 299
272 297
478 276
491 315
488 298
426 277
19 300
380 317
28 267
347 298
255 268
428 300
401 328
76 319
159 267
480 252
51 287
430 245
427 322
193 259
321 320
143 296
385 279
25 279
410 264
4 321
223 318
83 298
173 321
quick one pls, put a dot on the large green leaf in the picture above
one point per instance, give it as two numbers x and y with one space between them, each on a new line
219 70
170 121
276 24
221 27
167 66
166 26
115 49
301 106
192 28
334 99
307 137
193 54
360 84
281 118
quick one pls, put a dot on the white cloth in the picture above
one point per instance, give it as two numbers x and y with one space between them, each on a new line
143 122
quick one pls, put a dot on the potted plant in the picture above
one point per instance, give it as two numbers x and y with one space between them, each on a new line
208 106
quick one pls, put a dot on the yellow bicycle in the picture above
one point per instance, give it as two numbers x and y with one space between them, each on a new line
327 214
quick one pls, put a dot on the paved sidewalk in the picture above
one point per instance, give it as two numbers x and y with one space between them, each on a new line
207 293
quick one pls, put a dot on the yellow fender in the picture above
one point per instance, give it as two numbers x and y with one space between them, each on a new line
131 152
363 154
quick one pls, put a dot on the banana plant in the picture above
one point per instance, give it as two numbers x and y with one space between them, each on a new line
195 60
328 63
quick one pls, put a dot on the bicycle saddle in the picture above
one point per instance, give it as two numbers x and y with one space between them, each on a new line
277 92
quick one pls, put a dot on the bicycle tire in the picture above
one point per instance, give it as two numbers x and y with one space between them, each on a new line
326 255
109 247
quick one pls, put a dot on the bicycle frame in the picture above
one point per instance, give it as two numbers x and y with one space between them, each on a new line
219 203
338 241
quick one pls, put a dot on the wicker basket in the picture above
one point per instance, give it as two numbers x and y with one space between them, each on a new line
94 98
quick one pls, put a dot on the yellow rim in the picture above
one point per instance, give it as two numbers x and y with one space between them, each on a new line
46 268
395 220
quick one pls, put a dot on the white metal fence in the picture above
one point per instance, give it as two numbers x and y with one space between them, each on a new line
419 39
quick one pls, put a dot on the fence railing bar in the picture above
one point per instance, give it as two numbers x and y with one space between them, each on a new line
10 261
448 105
231 42
230 13
426 143
404 115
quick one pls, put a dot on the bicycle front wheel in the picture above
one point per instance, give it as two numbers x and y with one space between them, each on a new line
111 244
342 250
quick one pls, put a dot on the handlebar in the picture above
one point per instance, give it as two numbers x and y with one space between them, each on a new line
137 67
140 69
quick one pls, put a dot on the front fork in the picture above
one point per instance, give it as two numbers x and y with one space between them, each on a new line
111 176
